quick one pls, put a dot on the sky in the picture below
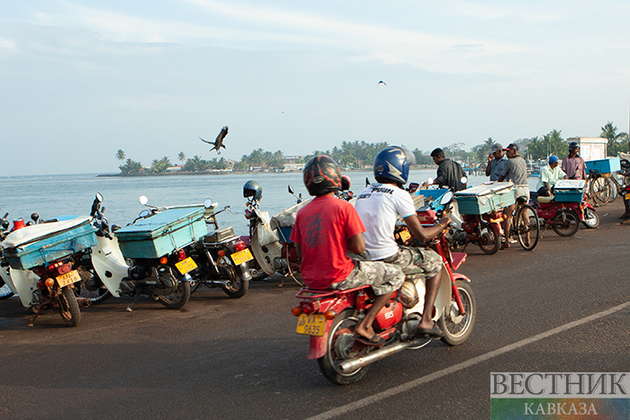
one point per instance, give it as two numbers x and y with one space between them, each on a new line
80 80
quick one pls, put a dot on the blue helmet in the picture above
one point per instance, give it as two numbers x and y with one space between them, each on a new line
393 164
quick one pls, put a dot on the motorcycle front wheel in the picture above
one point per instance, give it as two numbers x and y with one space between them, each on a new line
179 297
457 328
69 307
339 347
489 241
591 218
566 223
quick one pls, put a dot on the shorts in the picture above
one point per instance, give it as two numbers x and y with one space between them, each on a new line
417 263
384 278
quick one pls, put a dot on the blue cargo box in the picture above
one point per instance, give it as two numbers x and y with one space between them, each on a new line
485 198
44 243
162 233
605 166
569 190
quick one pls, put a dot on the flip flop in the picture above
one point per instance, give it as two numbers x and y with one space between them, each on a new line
375 341
433 332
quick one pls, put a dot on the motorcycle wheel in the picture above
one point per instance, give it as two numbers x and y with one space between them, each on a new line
180 295
591 218
5 291
101 293
339 344
458 328
527 227
69 307
566 223
489 241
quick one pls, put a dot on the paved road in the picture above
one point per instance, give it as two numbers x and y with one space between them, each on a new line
241 359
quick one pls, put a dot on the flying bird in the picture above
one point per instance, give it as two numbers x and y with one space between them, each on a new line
218 143
381 82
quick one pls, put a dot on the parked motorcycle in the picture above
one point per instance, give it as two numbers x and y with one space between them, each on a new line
42 259
153 244
330 316
6 285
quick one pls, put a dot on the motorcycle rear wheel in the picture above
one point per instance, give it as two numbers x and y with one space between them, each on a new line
180 295
489 241
458 328
235 287
566 223
339 344
527 227
69 307
591 218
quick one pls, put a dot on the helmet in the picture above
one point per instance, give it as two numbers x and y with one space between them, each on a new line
322 175
573 145
345 182
393 163
252 189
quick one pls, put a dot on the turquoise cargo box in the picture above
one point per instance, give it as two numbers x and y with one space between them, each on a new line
485 198
48 242
569 190
162 233
604 166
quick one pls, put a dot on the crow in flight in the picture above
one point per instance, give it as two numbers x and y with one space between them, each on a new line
381 82
218 143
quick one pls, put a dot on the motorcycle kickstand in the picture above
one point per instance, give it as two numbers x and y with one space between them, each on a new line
38 313
130 307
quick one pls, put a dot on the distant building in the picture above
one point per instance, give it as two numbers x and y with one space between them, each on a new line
293 167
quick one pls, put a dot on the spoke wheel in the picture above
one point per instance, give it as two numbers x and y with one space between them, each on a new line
489 241
235 287
600 190
340 347
69 307
527 227
591 218
457 328
566 223
179 296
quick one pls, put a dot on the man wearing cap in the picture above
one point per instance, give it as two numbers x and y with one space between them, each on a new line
516 171
496 162
573 165
549 175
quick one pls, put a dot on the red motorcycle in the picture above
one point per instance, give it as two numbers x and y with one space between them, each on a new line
330 316
564 211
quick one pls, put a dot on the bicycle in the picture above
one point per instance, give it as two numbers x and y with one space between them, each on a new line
603 188
525 224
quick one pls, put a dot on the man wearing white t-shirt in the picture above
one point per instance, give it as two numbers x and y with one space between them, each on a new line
379 207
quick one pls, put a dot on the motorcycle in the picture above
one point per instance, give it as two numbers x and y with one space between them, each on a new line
564 211
7 289
42 258
329 317
153 244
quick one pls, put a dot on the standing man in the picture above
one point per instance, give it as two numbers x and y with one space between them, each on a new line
549 175
573 165
449 172
516 171
496 162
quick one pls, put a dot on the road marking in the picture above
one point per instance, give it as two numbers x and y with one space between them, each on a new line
460 366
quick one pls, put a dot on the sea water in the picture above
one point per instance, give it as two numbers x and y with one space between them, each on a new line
54 195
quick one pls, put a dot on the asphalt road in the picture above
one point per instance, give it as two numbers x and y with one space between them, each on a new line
219 358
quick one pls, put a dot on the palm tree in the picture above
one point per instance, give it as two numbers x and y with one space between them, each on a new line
120 154
181 156
616 141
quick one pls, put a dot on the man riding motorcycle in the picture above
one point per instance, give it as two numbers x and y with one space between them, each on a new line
379 206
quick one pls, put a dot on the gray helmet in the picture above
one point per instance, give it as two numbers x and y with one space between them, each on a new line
252 189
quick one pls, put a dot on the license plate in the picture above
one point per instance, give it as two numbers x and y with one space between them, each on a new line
311 325
242 256
68 278
185 266
404 235
627 196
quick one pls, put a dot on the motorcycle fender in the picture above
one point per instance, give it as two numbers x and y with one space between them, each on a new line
244 273
317 345
25 283
6 277
443 298
458 276
109 263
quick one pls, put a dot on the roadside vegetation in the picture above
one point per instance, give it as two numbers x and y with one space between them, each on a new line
359 154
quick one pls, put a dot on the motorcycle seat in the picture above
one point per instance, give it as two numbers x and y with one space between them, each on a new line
543 199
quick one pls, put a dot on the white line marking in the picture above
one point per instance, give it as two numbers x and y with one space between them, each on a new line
460 366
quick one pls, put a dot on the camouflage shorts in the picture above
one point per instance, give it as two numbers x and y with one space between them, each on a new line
384 278
416 263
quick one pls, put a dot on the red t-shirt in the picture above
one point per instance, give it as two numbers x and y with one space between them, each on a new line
323 228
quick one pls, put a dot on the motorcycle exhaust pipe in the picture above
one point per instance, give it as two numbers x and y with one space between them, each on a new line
352 365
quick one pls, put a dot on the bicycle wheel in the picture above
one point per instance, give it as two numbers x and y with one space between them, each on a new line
527 227
600 190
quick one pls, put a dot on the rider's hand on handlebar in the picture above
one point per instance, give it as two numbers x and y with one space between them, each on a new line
445 222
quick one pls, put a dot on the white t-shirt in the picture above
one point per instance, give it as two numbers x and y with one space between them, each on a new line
379 206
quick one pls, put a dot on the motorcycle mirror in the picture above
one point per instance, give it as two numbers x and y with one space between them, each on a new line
35 217
99 197
464 180
144 213
143 200
446 198
208 203
291 191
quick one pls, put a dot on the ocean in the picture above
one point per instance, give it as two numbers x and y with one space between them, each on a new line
54 195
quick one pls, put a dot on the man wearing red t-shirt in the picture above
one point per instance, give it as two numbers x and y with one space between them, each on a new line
325 229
